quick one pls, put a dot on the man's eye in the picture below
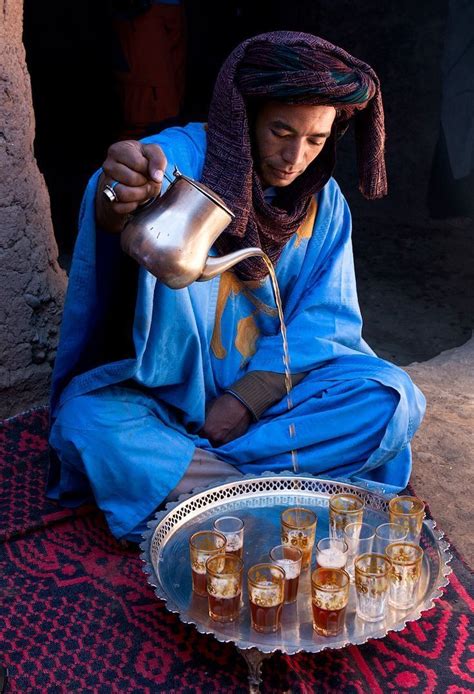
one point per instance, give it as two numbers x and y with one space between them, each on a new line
317 143
277 133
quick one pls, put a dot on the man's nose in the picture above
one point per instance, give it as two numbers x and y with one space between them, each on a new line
294 153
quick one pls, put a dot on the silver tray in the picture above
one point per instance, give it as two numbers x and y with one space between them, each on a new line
258 500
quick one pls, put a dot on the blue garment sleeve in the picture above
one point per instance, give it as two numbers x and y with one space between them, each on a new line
95 270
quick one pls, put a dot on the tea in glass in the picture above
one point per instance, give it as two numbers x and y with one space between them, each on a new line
298 529
203 545
329 598
289 558
266 589
224 587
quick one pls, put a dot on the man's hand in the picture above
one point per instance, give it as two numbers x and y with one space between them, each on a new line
226 420
138 168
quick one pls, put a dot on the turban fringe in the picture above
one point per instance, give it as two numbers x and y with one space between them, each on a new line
295 68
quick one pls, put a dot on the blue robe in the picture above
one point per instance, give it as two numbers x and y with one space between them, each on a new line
125 429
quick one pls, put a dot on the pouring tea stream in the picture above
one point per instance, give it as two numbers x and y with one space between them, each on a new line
172 235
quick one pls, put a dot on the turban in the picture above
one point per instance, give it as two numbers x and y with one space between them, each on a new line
295 68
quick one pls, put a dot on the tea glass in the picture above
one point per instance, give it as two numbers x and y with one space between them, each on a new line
203 545
386 533
298 529
344 509
408 511
329 598
289 558
224 587
331 553
233 529
405 574
360 539
372 581
266 589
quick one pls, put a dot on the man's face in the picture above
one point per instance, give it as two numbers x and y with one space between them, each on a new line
288 137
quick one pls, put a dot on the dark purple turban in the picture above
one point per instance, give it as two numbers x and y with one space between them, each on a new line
294 68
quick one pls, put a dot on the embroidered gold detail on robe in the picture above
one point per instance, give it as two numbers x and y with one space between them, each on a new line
247 331
247 336
230 284
305 231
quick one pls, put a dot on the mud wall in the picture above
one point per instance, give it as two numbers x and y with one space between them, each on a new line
31 282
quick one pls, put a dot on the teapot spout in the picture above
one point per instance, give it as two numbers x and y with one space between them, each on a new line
215 265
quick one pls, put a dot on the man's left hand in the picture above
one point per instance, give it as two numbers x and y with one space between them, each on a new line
226 420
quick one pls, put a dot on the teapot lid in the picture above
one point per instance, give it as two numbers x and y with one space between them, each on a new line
205 190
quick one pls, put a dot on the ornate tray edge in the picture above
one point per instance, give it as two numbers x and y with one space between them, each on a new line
441 581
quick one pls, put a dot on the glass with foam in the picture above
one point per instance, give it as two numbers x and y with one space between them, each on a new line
233 529
289 558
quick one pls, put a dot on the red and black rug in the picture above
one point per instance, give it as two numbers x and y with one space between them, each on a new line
77 614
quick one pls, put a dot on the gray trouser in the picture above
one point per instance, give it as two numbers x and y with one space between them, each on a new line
205 469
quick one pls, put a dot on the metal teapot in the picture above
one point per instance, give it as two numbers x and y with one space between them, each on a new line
171 236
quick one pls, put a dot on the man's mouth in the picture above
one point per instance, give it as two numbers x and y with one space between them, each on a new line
283 174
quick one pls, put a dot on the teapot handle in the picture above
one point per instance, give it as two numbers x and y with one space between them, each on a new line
150 201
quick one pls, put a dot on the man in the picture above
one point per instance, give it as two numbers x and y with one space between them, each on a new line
158 390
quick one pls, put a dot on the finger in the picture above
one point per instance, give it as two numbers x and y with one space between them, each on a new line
156 161
116 171
129 153
123 208
138 194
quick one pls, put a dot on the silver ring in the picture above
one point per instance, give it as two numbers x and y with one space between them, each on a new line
109 191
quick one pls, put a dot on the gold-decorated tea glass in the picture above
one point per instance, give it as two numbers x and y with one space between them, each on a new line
298 529
329 598
266 587
203 545
344 509
224 587
372 581
406 559
409 512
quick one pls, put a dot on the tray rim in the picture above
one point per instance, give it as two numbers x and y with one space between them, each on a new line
442 578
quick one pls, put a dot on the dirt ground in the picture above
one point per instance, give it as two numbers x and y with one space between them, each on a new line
416 290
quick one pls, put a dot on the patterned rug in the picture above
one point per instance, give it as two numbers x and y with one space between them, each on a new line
77 614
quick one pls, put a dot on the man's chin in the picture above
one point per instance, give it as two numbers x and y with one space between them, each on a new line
277 182
279 179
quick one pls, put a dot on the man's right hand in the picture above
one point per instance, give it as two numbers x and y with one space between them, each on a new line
138 168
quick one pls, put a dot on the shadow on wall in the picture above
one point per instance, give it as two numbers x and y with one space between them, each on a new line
74 54
413 272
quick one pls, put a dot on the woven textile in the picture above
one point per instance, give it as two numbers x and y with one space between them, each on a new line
77 613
